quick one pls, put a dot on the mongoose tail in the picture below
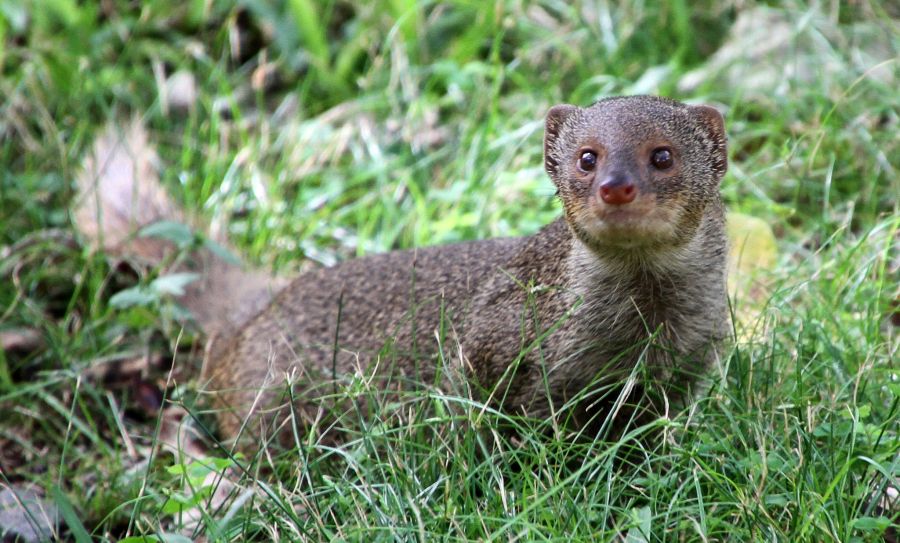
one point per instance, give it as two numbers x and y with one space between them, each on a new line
119 193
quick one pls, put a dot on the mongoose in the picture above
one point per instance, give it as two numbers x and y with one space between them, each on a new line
631 276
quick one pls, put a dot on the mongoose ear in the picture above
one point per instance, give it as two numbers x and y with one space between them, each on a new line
556 117
714 124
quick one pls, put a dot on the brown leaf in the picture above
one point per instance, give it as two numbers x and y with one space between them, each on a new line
177 433
21 339
25 516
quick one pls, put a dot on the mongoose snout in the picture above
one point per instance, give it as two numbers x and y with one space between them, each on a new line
617 189
624 182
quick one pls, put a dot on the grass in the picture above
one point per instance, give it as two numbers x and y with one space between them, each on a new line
325 130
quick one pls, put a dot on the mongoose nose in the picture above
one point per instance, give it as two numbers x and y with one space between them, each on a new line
617 190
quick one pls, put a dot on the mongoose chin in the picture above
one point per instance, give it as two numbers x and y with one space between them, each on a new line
611 312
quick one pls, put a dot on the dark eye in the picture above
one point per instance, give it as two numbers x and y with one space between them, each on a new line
587 161
662 158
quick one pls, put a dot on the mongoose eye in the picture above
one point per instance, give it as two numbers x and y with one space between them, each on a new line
662 158
588 161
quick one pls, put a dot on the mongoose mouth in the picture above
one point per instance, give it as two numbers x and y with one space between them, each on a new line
623 215
641 210
640 224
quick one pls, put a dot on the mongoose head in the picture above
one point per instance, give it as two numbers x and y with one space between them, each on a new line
635 172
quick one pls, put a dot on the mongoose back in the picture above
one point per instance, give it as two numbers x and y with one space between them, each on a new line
632 277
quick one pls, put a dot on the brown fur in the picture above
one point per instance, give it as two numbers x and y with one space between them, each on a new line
568 312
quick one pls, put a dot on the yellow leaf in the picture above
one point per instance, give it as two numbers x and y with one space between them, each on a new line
752 253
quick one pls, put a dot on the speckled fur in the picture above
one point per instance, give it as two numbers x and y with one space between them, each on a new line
613 289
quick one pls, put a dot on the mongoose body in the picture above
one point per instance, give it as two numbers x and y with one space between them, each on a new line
632 276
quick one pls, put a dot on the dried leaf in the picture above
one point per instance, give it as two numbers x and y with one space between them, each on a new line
20 339
25 515
752 252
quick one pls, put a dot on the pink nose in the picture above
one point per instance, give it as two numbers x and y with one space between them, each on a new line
617 191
